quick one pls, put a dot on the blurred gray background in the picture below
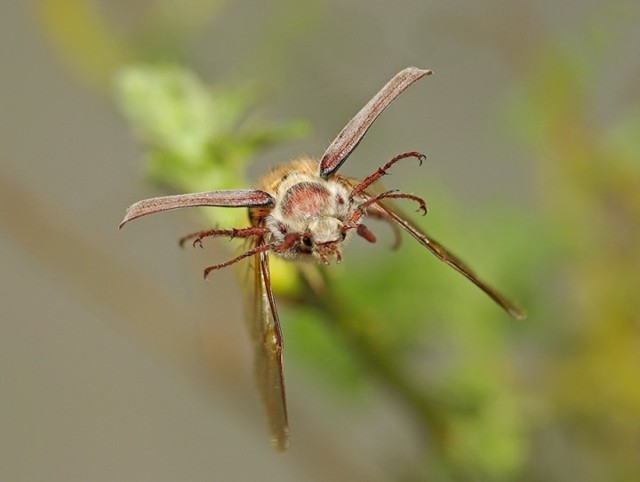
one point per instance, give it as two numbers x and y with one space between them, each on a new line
102 371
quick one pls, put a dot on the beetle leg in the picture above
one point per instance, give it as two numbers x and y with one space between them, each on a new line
258 249
232 233
383 170
377 214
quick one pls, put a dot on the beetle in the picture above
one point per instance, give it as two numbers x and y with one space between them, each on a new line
305 210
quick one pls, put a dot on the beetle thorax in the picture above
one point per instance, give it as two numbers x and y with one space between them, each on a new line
311 211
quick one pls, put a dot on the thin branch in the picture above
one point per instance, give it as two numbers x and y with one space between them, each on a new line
347 321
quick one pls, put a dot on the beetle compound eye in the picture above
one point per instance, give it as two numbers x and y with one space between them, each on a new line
307 241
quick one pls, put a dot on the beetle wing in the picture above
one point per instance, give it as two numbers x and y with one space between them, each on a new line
264 327
444 255
356 128
223 198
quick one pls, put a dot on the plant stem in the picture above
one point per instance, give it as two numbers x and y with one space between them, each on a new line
348 323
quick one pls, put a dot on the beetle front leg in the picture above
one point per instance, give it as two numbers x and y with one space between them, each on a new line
369 180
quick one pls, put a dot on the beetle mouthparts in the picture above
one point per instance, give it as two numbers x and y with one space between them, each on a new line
329 249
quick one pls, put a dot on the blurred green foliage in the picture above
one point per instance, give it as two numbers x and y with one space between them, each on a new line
588 175
91 39
199 138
